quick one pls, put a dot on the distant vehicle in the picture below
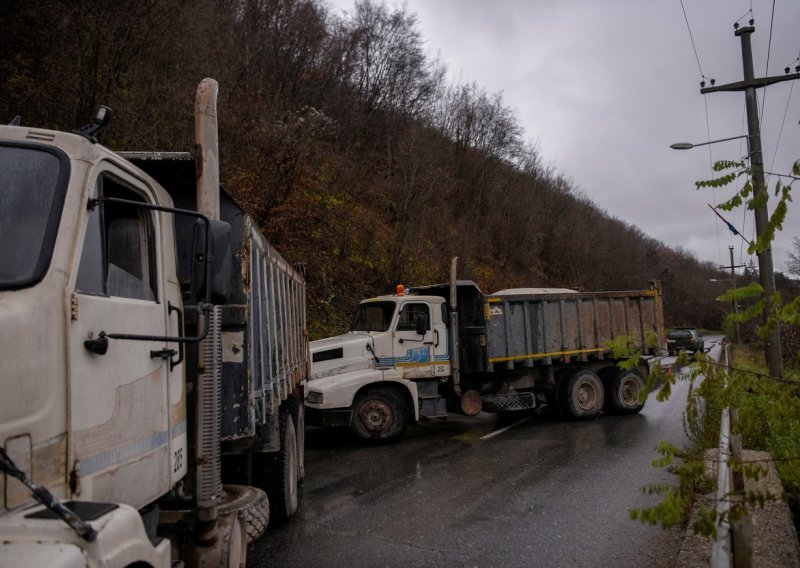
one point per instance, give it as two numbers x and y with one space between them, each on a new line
686 339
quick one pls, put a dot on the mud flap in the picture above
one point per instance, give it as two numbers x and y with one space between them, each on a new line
509 402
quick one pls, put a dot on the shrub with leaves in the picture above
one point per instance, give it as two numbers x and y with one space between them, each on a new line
768 407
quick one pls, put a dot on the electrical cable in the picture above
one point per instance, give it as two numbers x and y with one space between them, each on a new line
780 132
711 165
785 114
766 67
705 102
691 37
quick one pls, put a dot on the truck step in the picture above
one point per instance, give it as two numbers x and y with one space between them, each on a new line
432 407
509 402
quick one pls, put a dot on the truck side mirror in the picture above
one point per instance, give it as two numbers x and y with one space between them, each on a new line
422 324
221 269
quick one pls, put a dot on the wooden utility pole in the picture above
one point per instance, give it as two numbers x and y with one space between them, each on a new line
734 303
766 273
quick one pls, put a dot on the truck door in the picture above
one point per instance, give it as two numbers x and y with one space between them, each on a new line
119 410
441 341
413 341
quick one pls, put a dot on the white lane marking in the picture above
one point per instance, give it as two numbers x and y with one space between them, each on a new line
501 430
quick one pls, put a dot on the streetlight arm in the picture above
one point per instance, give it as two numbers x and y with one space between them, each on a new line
689 145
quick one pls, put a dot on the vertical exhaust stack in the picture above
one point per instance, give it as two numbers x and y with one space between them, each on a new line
207 148
208 481
454 362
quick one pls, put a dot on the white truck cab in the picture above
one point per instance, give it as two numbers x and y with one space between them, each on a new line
384 372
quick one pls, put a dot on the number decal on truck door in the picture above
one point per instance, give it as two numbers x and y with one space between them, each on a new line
177 460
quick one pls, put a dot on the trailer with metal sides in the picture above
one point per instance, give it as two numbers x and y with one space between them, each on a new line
422 352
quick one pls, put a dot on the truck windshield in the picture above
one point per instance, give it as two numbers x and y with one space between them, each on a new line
33 183
373 316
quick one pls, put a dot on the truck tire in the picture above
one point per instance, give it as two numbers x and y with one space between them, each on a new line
582 395
253 504
251 501
379 415
277 472
298 411
624 392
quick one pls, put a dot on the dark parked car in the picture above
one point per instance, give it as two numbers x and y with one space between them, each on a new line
684 338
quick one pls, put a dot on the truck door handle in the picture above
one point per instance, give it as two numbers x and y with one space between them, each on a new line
436 338
163 353
175 362
99 345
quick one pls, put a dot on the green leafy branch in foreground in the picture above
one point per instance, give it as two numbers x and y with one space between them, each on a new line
747 196
765 406
627 351
769 409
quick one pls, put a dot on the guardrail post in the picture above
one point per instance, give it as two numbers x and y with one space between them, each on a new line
721 552
733 546
741 529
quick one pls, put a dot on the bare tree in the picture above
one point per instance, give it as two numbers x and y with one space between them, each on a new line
793 258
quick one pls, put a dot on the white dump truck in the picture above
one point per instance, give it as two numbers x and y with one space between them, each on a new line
422 352
154 357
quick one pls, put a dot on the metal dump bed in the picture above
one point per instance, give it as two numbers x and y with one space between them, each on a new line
264 341
540 328
275 325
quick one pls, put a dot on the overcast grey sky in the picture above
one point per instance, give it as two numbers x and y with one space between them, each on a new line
604 88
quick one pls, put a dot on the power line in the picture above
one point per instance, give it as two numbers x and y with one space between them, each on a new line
711 167
766 68
780 132
691 37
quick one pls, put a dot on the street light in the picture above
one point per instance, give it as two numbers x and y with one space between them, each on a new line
689 145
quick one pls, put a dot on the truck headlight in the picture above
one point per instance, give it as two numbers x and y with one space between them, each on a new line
314 397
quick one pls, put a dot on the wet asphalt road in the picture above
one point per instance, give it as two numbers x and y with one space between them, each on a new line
544 492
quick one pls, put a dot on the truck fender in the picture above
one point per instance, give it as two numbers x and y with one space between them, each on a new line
339 391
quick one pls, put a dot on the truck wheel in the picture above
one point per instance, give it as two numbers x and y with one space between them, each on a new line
298 411
626 387
254 506
583 395
278 472
379 415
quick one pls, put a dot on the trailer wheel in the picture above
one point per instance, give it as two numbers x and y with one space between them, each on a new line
253 504
626 388
298 411
583 395
278 472
379 415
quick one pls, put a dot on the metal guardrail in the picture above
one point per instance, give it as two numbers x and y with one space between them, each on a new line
733 545
721 550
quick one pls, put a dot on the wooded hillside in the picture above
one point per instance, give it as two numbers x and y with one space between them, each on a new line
349 146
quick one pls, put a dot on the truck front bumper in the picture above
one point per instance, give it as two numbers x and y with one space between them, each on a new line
33 537
328 418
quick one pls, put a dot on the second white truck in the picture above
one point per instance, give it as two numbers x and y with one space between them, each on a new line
420 353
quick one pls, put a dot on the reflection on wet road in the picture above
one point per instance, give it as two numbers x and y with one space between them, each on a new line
460 492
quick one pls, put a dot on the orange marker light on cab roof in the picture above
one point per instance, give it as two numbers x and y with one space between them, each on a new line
401 290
